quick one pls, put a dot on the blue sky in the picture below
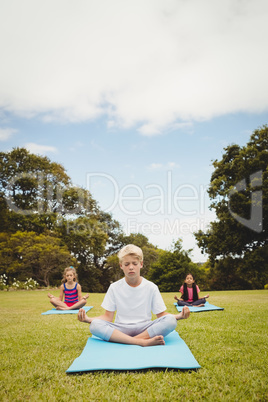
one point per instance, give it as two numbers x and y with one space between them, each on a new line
135 99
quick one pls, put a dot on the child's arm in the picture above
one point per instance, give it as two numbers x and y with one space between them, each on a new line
79 291
203 297
181 299
61 292
181 292
198 294
107 316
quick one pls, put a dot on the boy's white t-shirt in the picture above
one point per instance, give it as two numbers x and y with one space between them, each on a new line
133 305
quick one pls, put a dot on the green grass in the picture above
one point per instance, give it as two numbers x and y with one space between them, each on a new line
231 347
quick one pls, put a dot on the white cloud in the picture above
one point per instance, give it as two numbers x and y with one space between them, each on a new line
40 149
149 130
150 64
6 133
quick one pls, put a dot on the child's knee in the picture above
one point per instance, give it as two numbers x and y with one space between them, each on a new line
100 329
171 322
163 326
94 326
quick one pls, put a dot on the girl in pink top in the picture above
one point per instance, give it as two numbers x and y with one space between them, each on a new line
190 293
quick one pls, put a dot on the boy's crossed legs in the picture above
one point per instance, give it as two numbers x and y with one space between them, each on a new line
146 334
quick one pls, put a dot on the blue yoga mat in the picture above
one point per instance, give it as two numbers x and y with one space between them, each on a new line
194 309
101 355
55 311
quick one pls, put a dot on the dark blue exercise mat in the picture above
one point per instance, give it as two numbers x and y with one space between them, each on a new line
195 309
102 355
55 311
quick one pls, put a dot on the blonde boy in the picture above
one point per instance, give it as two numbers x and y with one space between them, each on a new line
133 298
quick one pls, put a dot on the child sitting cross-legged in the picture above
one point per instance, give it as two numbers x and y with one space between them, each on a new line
71 290
190 294
133 298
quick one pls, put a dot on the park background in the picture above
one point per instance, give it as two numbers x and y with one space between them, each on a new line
142 122
47 224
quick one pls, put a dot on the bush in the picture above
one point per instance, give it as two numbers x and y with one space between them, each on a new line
3 282
28 284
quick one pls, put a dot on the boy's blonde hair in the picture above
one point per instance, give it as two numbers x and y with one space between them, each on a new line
130 249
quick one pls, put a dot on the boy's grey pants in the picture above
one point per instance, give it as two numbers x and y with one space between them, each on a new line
161 326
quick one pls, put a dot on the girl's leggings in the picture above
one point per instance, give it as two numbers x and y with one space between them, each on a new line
195 303
161 326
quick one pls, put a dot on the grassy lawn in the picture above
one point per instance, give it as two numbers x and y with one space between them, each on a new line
231 346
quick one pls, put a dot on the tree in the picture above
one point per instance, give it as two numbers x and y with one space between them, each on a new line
77 201
239 193
112 269
4 221
31 187
36 195
86 238
171 268
27 254
249 272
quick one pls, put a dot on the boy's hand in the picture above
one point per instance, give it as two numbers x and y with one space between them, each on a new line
185 312
82 316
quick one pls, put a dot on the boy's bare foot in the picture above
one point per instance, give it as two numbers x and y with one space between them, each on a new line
156 340
175 297
199 305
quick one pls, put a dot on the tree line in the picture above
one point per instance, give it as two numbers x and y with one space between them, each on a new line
47 223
